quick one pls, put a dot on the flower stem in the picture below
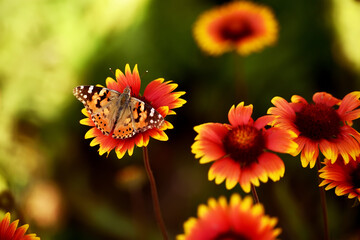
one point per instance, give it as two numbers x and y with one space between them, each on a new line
239 79
154 194
323 203
254 194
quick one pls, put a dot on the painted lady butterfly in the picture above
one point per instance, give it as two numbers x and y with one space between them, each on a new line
117 113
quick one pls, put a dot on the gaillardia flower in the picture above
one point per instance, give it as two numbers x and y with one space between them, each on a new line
127 111
238 219
324 124
344 177
10 231
242 26
240 150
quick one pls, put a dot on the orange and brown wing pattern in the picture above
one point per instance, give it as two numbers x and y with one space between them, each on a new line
124 127
136 117
145 116
101 104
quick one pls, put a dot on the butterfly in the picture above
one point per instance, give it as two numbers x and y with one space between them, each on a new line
118 114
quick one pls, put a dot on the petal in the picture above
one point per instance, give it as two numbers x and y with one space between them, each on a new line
164 110
326 99
208 143
19 233
211 131
157 134
131 80
282 108
245 181
11 229
160 94
280 140
240 115
329 150
87 122
85 112
309 154
91 133
4 224
347 106
112 84
263 121
223 169
298 99
272 164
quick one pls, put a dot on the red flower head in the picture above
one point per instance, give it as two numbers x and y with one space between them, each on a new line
238 219
122 118
324 124
12 232
239 25
344 177
240 150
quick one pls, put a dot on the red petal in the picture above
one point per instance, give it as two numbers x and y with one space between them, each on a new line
347 106
4 224
279 140
272 164
326 99
282 108
263 121
240 115
129 79
160 94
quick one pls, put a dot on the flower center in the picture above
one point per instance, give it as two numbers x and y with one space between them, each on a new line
230 235
235 29
244 144
318 121
355 176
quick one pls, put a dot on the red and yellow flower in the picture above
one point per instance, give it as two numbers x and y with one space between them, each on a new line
158 94
240 150
238 219
345 178
324 125
239 25
10 231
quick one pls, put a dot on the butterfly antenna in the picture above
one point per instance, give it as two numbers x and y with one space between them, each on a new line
145 72
110 69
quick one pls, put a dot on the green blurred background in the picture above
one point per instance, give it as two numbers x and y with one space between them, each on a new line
52 179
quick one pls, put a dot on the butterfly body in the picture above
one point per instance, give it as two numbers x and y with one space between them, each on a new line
117 114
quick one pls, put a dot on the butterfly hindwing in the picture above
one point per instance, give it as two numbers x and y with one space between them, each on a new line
145 116
124 127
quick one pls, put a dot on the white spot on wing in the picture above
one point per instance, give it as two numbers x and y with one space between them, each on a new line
90 89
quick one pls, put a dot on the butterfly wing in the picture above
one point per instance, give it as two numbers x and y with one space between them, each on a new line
101 103
124 127
137 117
145 116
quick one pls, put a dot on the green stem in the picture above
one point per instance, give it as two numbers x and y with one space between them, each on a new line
254 194
239 79
323 203
154 194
